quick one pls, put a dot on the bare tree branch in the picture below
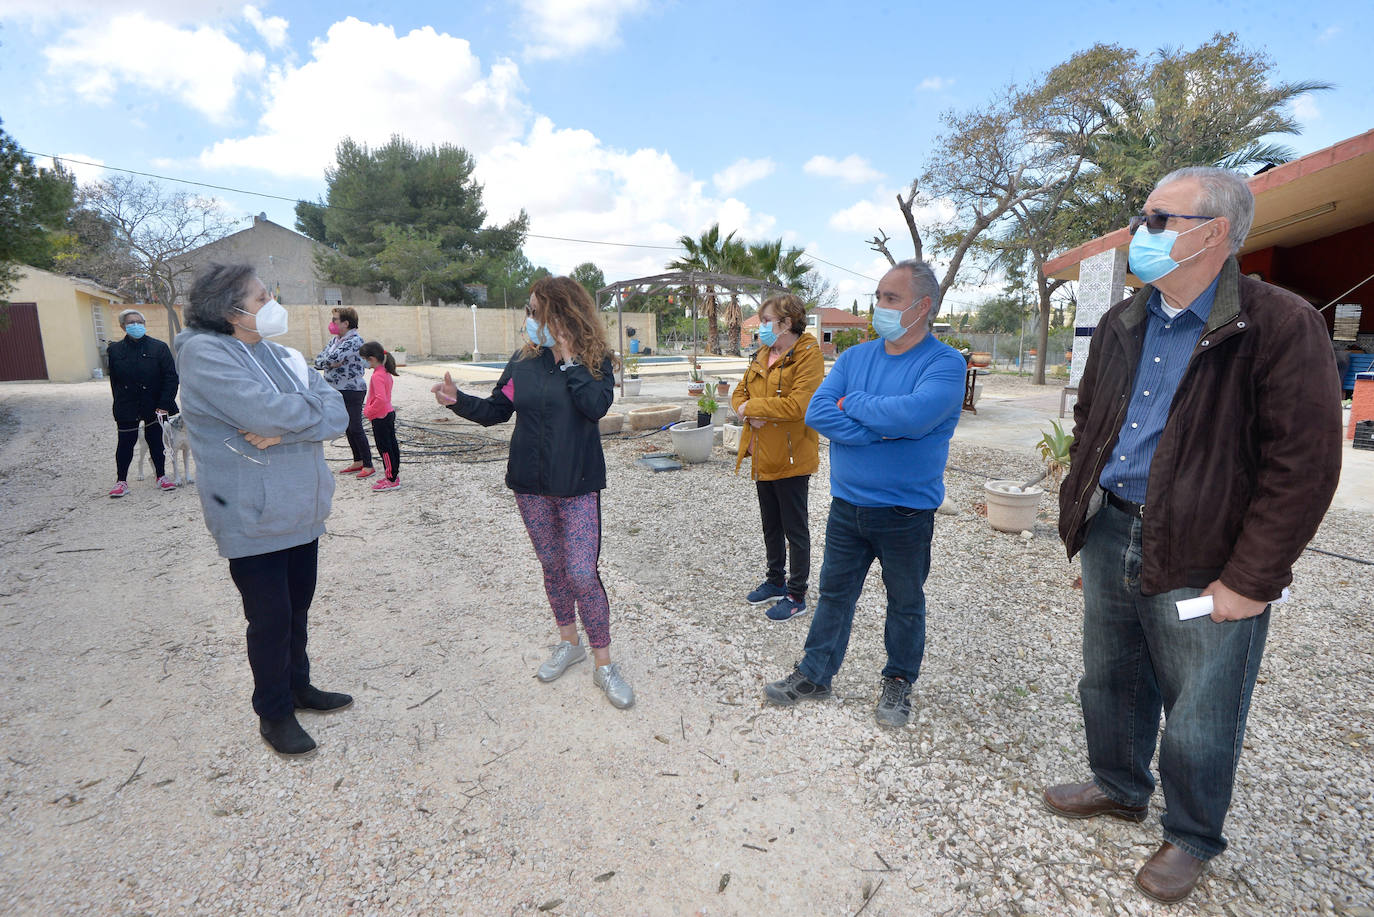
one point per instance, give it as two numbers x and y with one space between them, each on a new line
879 244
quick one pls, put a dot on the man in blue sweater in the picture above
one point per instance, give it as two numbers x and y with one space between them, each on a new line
889 408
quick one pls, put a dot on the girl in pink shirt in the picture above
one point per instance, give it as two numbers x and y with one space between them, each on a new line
377 408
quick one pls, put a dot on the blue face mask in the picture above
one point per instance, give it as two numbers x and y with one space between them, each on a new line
1151 257
767 334
888 323
538 333
135 330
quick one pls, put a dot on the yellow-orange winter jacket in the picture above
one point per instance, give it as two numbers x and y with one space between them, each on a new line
784 447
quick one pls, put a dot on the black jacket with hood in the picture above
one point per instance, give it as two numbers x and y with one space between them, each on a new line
143 378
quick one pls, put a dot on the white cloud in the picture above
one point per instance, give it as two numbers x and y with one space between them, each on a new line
574 186
935 83
203 67
425 85
272 29
742 172
1305 109
562 28
880 210
175 11
853 169
1329 33
88 169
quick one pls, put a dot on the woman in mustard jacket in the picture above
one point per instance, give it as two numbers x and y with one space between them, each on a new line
783 451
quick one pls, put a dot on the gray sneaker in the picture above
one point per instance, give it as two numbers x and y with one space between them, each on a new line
894 707
618 690
793 688
564 655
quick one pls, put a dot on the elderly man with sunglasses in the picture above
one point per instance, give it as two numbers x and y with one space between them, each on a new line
1206 451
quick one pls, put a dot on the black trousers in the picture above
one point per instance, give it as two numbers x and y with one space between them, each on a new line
388 447
357 437
277 589
128 438
782 505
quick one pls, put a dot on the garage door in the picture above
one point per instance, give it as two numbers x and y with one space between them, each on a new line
21 344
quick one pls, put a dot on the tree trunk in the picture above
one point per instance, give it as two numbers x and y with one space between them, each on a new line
734 319
712 323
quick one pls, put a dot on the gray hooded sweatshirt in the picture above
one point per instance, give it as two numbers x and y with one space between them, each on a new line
263 388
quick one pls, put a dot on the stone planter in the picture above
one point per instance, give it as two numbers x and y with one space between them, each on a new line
611 423
654 416
631 386
691 443
730 434
1010 509
399 356
980 359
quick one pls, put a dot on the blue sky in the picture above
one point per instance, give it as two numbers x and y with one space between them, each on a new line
612 120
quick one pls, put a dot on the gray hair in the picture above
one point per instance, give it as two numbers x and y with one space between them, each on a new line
923 283
123 316
1224 194
217 291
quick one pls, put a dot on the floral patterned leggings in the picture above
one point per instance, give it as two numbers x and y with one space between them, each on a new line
566 534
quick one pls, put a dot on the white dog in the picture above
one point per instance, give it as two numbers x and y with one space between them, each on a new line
174 443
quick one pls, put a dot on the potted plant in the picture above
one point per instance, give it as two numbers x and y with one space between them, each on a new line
722 388
1054 449
695 385
399 354
630 383
706 406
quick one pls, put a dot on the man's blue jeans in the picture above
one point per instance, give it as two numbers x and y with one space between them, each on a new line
1139 659
854 535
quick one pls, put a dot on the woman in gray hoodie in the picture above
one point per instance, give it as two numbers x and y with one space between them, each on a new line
257 419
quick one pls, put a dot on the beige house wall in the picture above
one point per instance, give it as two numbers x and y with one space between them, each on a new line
65 307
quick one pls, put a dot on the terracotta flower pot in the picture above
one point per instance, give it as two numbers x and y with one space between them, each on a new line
981 359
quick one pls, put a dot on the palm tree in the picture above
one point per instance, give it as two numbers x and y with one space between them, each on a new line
772 264
704 254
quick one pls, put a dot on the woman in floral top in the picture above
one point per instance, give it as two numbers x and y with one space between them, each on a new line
344 370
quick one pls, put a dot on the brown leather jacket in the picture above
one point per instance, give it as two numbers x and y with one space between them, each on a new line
1250 455
784 447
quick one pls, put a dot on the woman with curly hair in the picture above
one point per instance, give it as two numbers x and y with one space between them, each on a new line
559 386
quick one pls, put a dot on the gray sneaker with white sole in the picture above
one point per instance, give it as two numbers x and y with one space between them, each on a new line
564 655
618 690
894 707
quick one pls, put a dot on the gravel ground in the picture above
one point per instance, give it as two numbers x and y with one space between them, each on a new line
134 781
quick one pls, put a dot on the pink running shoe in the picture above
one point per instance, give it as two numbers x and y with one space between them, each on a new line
385 484
367 472
166 483
120 489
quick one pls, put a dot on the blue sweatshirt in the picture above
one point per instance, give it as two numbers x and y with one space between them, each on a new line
890 440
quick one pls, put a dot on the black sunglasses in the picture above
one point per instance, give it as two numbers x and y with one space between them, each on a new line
1155 222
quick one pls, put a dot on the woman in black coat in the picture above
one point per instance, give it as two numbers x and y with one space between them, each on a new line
143 378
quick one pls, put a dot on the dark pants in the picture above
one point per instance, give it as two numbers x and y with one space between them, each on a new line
854 535
786 531
128 438
357 438
1140 660
277 589
388 447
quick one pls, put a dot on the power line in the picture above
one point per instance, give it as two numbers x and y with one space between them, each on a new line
297 200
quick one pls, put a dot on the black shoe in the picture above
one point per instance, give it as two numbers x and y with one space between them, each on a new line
286 736
894 707
793 688
312 698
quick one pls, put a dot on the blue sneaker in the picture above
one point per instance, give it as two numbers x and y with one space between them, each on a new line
787 607
766 593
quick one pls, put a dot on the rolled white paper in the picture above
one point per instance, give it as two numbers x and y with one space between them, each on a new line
1202 605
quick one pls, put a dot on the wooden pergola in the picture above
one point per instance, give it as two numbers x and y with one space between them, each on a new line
751 287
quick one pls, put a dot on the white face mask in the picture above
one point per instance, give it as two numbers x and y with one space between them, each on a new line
270 320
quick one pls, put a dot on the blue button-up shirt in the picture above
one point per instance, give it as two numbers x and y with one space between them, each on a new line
1169 343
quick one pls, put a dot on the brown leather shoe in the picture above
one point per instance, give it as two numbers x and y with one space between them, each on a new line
1170 875
1085 800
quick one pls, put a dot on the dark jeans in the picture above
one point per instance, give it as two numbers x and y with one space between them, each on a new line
786 531
854 535
388 447
128 438
277 589
1139 659
357 439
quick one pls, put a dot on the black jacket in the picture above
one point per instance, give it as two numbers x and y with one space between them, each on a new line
555 450
143 378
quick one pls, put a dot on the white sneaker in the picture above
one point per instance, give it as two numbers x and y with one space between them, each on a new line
564 655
